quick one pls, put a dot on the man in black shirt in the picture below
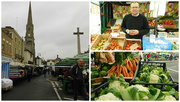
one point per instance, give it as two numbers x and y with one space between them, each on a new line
135 25
78 80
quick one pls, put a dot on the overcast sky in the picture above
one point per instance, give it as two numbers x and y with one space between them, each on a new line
54 24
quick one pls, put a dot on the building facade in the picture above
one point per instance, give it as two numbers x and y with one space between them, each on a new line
13 48
50 62
6 45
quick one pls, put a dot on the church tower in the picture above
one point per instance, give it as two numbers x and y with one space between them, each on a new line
29 37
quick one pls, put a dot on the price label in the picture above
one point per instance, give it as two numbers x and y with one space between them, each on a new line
152 38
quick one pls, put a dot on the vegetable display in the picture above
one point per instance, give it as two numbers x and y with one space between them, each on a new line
119 89
126 66
128 47
101 44
154 74
114 45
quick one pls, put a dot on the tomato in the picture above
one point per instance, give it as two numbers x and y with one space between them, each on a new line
129 44
127 48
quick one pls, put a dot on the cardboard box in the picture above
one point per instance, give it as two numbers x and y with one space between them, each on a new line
120 40
99 38
107 31
133 41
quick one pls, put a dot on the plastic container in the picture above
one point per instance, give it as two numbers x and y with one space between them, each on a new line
159 64
147 45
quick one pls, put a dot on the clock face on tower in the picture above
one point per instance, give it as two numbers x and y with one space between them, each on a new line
29 34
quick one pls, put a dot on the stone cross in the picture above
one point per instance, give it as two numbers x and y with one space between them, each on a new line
78 39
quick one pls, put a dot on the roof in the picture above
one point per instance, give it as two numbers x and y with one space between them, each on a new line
72 61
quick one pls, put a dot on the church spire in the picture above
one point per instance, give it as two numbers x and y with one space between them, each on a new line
29 15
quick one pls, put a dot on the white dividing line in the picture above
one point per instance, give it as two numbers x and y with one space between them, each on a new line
173 70
56 84
55 89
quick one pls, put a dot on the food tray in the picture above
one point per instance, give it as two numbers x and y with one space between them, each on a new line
159 64
98 39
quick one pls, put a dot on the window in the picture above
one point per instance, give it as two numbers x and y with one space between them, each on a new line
15 39
3 44
19 51
15 50
50 64
9 48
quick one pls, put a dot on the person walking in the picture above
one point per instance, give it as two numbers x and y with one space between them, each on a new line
29 74
44 72
78 80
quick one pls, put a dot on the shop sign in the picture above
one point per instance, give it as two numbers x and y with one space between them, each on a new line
2 47
3 58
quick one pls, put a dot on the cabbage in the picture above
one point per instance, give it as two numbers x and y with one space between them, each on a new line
108 97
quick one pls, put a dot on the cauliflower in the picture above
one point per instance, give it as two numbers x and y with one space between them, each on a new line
115 84
141 88
169 98
107 97
156 72
153 78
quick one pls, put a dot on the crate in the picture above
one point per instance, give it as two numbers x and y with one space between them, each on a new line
107 31
95 37
169 26
98 39
147 45
159 64
115 29
120 40
132 41
97 80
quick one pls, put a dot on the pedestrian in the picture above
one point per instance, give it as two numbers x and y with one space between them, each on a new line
44 72
78 79
48 70
29 74
135 25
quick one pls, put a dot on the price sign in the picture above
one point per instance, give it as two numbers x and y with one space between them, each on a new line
152 38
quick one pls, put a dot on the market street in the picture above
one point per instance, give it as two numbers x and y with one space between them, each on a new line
39 88
173 68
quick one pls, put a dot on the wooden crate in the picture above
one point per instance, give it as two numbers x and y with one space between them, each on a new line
95 37
169 26
120 40
107 31
99 38
132 41
97 80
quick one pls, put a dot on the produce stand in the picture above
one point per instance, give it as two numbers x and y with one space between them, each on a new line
159 64
112 14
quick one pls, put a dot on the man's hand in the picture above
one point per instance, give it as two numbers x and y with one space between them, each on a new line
133 32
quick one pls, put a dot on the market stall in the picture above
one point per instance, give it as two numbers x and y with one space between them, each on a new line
163 24
113 78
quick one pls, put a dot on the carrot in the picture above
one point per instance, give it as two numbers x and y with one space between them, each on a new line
128 67
130 74
110 74
125 61
134 66
120 69
130 64
112 68
136 61
126 72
